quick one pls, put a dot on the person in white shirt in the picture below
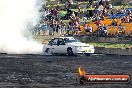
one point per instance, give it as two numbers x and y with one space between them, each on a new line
100 9
110 6
107 2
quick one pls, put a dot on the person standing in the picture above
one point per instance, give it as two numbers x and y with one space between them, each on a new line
100 10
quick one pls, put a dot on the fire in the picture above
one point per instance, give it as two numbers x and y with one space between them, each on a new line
101 78
81 71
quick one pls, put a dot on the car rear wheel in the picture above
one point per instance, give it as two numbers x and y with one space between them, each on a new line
69 52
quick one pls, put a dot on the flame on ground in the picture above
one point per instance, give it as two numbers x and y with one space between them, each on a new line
81 71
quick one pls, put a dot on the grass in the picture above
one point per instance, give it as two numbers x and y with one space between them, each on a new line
114 7
118 7
112 45
54 5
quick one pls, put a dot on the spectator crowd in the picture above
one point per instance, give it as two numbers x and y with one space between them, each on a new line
94 18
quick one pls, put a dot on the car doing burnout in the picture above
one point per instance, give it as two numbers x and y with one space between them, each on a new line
69 46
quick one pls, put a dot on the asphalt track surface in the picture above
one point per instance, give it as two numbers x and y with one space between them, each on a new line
38 71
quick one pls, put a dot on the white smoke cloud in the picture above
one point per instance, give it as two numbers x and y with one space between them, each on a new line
14 17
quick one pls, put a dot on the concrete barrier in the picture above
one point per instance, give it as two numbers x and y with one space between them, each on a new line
88 39
113 51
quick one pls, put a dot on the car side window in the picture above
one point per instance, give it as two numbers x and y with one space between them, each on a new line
57 42
54 42
61 42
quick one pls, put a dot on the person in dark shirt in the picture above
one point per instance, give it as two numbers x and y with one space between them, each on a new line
90 2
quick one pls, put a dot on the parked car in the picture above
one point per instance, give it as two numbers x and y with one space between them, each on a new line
69 46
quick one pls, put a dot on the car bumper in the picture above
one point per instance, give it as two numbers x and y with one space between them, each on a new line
85 50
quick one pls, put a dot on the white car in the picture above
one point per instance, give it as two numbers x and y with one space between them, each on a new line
69 46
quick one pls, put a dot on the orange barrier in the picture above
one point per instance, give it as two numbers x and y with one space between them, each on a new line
110 30
114 30
94 27
118 20
117 30
127 31
126 24
82 29
91 24
107 22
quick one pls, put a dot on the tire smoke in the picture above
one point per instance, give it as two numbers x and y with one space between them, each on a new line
16 18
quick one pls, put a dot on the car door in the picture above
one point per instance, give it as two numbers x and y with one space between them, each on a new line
58 46
61 46
54 45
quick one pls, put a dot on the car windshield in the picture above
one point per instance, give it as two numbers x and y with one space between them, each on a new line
73 40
